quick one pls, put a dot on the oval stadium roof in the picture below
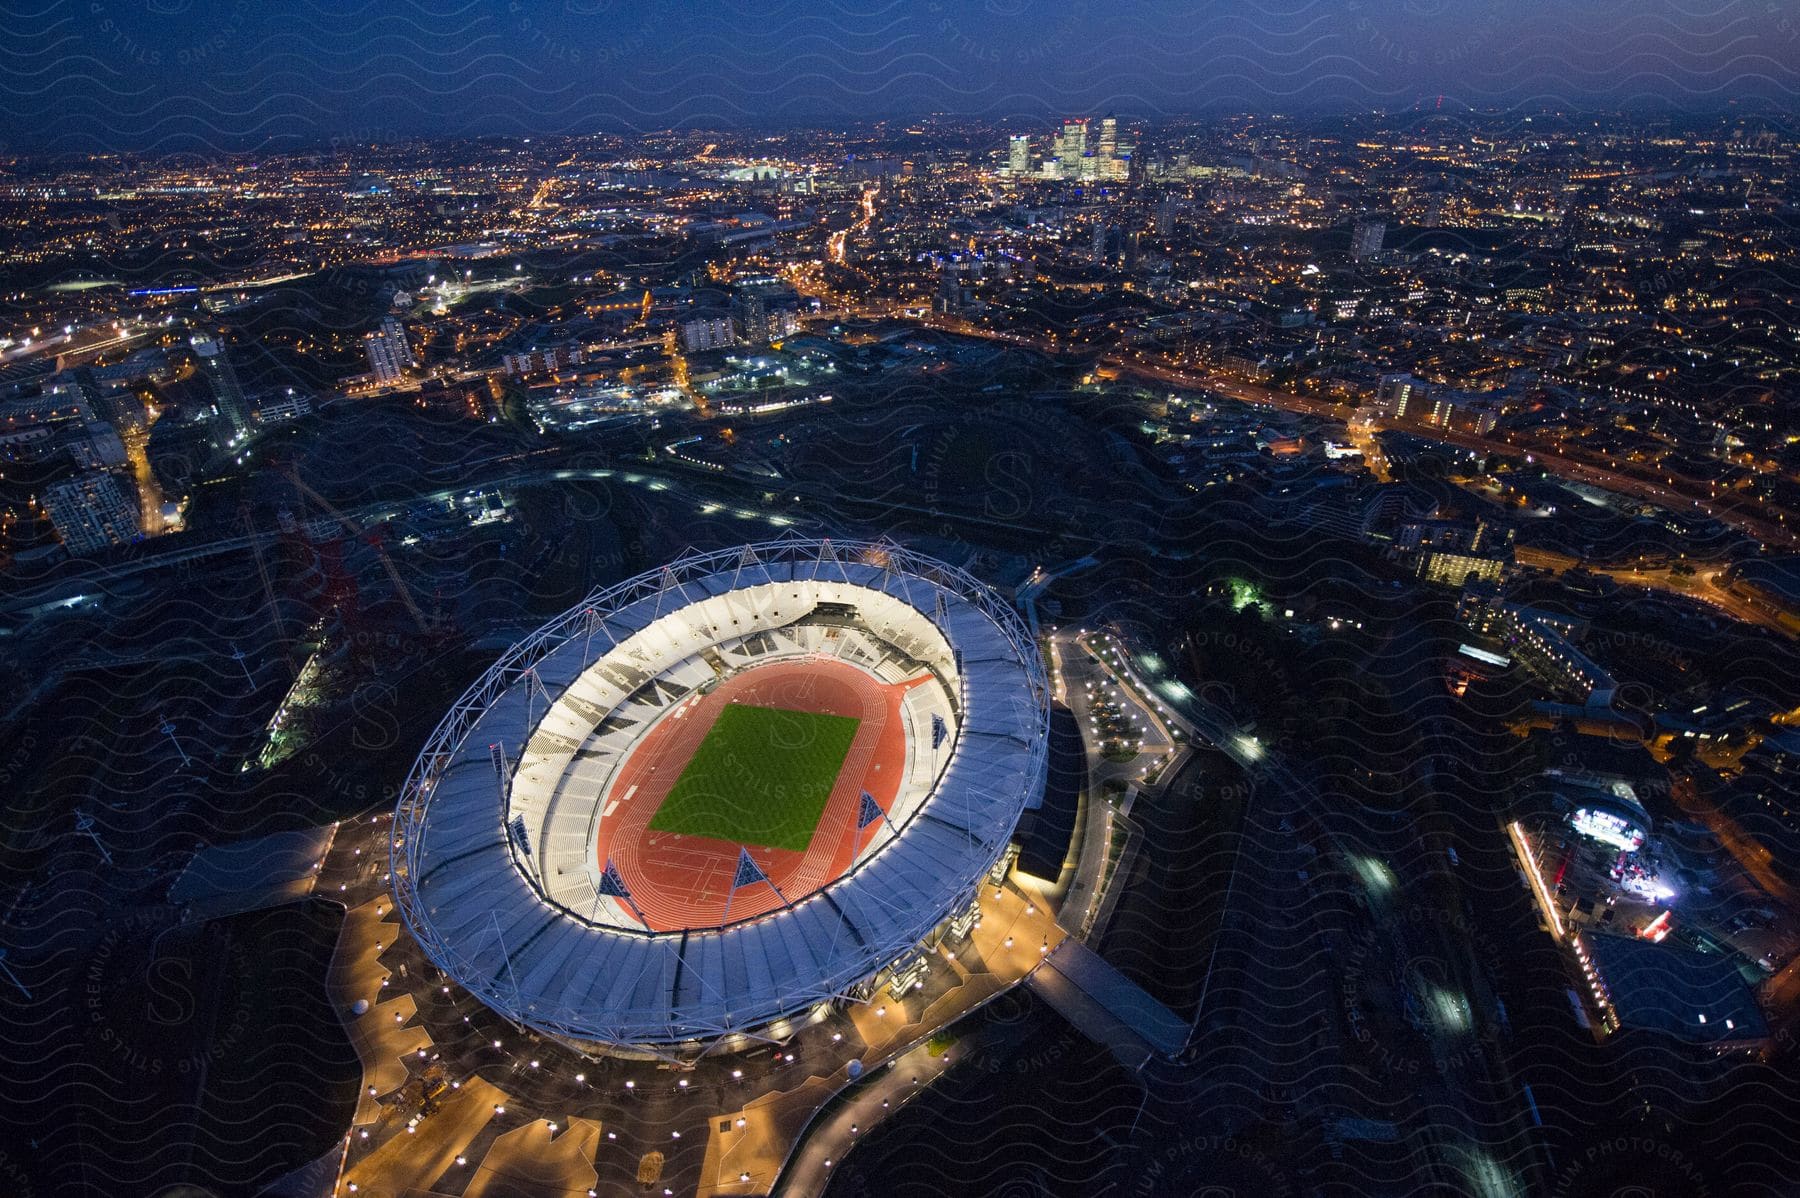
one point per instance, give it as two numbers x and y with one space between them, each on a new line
471 897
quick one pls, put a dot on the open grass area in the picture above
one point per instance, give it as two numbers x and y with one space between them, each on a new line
760 777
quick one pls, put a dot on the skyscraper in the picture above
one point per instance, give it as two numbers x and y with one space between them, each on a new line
1365 238
1109 136
1072 147
1018 154
91 511
228 392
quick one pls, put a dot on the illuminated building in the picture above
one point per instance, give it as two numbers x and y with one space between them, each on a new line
121 409
1071 148
228 392
1543 642
389 355
1609 827
755 321
1638 984
707 332
1401 392
1366 237
750 316
1449 568
1018 154
542 361
278 409
91 512
1476 418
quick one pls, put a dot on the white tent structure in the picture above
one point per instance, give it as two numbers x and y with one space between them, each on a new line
493 860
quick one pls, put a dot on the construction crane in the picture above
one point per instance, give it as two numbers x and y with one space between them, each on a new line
373 539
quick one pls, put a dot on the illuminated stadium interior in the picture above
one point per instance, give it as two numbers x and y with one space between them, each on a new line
724 792
682 774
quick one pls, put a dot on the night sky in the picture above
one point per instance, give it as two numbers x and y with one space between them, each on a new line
164 75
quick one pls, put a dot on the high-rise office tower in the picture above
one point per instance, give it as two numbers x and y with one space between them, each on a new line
1072 147
91 511
1365 238
228 392
1018 155
1109 136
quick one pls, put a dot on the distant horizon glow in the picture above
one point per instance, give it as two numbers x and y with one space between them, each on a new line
199 75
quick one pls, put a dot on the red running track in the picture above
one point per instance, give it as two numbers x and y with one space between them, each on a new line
678 881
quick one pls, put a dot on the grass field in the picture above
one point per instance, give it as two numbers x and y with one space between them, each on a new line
761 777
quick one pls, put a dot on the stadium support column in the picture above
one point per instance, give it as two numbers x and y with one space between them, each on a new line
592 622
506 958
746 558
497 754
534 687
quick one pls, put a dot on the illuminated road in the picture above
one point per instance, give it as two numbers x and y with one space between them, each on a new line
808 278
839 240
1748 516
1701 584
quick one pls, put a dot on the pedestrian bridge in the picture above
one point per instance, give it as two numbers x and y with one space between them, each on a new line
1106 1006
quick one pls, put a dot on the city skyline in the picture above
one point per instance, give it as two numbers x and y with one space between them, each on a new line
185 75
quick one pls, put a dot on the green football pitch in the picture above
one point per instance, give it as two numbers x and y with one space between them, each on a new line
760 777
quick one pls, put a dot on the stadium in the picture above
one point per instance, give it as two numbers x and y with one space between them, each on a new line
705 803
